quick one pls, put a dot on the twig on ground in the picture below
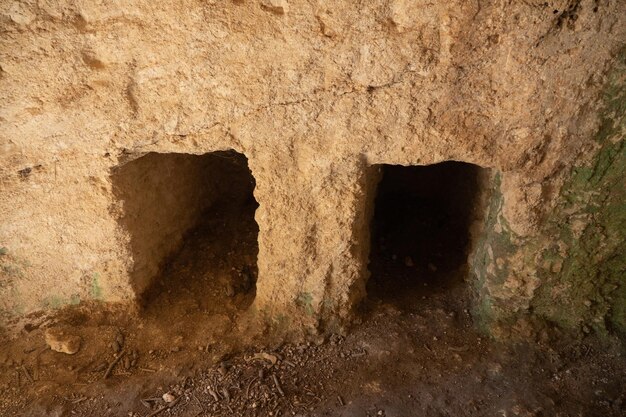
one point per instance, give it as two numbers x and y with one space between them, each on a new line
214 394
75 399
278 387
199 404
165 407
226 394
249 385
112 365
30 378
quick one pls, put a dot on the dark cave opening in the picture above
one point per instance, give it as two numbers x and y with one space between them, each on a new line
421 228
190 220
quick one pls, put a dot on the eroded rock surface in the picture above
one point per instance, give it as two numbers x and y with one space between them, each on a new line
315 95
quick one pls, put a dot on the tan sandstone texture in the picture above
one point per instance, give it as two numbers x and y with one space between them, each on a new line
315 94
62 340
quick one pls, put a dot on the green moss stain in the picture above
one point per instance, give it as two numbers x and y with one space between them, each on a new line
579 257
12 269
305 301
57 301
590 221
54 302
75 299
12 266
96 289
496 243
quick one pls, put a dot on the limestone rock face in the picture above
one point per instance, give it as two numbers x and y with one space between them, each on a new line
315 95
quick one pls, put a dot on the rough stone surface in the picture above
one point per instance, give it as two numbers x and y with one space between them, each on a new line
571 270
62 340
314 94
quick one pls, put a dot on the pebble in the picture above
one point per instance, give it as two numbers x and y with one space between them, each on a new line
230 290
276 6
62 340
268 357
168 398
222 369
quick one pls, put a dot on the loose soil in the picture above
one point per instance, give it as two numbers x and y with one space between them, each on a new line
415 351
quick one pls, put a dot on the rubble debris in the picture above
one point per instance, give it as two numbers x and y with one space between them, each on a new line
62 340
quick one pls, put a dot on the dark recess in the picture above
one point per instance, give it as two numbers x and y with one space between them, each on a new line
421 228
193 216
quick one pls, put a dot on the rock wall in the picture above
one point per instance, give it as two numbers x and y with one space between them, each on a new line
313 94
570 271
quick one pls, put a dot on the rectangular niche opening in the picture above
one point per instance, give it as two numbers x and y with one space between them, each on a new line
421 229
190 223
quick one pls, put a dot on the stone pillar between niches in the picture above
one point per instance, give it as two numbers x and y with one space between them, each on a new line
313 219
506 255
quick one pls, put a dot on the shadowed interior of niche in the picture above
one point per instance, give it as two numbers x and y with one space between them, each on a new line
421 228
190 219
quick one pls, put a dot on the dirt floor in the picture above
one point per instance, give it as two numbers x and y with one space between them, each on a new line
414 351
